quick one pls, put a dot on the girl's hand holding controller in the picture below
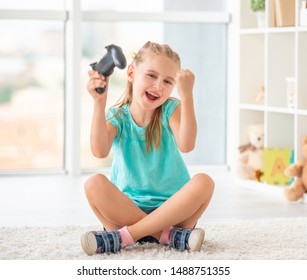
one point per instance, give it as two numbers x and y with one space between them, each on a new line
96 80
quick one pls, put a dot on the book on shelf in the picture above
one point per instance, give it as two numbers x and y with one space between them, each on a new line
284 13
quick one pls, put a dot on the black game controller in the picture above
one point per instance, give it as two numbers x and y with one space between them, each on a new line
114 57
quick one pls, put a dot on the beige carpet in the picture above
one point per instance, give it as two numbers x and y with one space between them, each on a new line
279 239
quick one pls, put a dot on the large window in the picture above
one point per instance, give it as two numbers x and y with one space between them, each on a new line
42 109
31 94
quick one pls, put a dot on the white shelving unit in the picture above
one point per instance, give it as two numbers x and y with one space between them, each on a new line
268 56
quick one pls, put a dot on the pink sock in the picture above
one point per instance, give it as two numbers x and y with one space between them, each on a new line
126 237
165 236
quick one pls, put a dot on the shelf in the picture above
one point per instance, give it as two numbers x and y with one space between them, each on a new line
272 109
283 110
301 29
285 29
273 30
251 31
302 112
253 107
274 58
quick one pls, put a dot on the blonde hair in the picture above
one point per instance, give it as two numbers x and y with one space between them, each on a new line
154 128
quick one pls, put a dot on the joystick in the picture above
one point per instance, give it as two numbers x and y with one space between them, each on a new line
113 57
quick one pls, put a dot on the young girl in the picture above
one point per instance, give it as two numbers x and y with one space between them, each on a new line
150 195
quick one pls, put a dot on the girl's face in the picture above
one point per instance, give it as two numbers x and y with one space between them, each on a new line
152 81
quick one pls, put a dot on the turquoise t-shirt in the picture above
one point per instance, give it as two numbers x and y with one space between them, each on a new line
149 179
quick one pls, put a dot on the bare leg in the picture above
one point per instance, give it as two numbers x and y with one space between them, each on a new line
113 208
183 209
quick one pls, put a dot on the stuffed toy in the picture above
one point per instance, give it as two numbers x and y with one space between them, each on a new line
299 170
260 95
250 156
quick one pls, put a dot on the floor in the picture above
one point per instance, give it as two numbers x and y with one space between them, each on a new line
59 200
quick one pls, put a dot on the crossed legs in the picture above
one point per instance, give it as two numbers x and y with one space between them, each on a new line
115 210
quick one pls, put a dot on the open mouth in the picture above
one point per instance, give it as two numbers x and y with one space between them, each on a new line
151 96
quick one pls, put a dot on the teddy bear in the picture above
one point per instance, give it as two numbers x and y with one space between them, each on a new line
250 156
299 170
